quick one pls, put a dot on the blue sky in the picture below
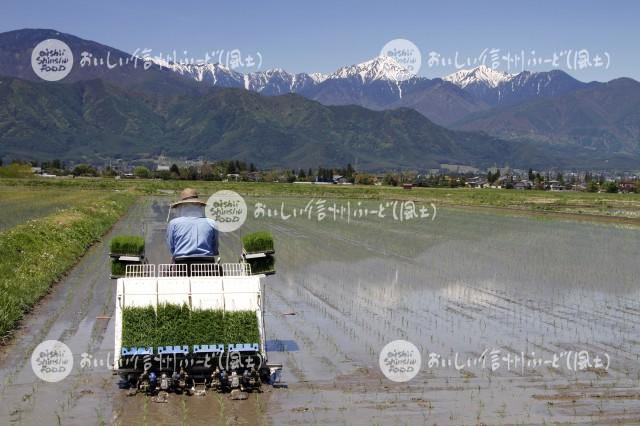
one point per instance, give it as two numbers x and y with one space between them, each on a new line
324 35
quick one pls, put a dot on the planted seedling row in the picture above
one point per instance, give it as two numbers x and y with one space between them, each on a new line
179 325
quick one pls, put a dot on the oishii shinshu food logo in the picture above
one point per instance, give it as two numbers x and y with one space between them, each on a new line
52 60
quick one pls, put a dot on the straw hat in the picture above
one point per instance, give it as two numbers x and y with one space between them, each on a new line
189 196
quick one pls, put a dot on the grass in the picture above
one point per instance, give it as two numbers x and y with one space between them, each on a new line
127 244
179 325
36 254
258 242
23 203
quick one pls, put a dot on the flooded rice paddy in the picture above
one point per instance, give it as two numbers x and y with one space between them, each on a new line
467 288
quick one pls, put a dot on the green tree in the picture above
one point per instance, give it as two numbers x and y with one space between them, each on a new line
364 179
109 172
142 172
190 173
164 174
84 170
206 171
611 187
390 180
492 177
349 172
15 170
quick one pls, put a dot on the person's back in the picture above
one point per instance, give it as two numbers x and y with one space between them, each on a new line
191 234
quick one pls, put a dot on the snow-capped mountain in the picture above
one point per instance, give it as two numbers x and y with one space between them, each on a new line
213 74
277 81
481 75
381 68
382 83
499 88
528 85
318 77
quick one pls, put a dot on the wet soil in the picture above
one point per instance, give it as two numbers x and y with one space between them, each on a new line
457 286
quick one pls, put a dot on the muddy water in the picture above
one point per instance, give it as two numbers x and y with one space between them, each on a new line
465 283
457 287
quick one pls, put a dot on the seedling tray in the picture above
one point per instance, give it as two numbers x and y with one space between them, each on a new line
258 242
175 325
256 254
127 245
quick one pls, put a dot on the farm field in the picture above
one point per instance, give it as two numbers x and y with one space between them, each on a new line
617 208
466 282
38 252
22 203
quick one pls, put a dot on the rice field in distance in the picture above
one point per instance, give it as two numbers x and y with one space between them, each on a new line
624 208
19 204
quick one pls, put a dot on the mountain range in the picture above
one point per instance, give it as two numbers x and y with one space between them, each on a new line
93 119
545 106
547 118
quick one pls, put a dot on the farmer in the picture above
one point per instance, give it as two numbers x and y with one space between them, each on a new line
190 234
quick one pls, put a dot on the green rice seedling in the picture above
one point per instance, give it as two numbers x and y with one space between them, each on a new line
178 325
206 326
138 327
258 242
241 327
118 268
173 325
127 244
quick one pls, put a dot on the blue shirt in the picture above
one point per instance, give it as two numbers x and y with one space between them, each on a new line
192 236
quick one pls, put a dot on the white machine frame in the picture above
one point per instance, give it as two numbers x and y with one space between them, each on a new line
225 286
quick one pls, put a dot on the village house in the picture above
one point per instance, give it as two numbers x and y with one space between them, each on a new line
477 182
579 187
503 181
554 185
627 186
254 176
523 184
